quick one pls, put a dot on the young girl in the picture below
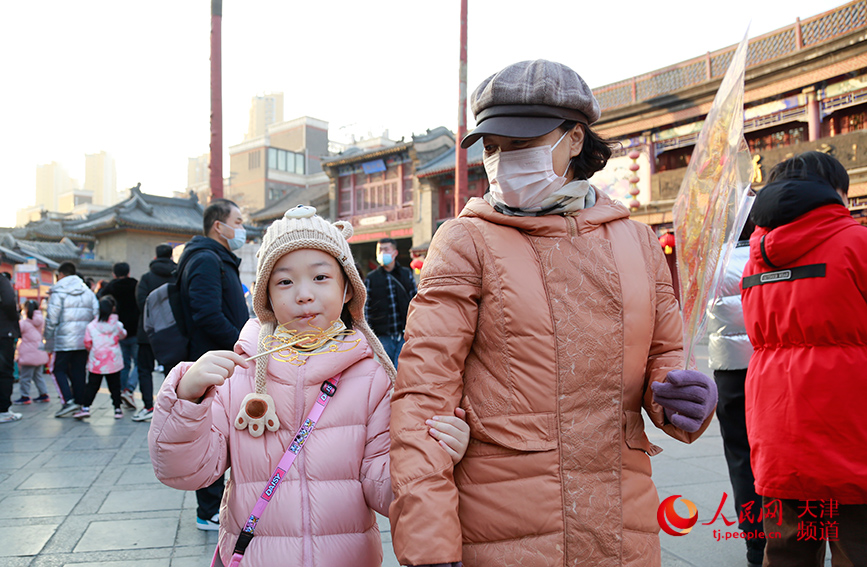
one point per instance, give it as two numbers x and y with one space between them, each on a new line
228 410
101 338
31 360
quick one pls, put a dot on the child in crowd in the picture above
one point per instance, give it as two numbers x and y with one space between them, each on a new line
228 410
105 360
31 359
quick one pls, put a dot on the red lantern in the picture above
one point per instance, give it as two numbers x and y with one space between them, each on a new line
416 264
667 243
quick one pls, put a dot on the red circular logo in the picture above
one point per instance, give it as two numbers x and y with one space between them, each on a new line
673 523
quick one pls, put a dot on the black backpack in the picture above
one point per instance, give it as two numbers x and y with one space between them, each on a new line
164 325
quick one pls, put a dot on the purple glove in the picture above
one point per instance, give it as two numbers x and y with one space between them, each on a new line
687 396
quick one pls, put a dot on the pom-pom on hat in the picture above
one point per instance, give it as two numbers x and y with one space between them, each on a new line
302 228
530 99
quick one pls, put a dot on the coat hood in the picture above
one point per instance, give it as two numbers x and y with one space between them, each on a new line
163 267
783 246
106 326
784 200
72 285
318 368
605 210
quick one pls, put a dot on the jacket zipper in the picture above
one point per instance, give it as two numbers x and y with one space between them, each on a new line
306 528
572 223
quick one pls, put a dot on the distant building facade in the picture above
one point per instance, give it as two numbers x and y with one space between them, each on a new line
100 178
265 109
52 180
286 159
376 190
805 89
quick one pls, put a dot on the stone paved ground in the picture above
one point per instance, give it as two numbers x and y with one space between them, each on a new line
84 494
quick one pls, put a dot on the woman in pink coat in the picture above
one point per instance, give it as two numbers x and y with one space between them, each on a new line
228 411
31 358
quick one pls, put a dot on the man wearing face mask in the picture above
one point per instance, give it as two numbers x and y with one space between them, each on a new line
390 288
214 307
550 317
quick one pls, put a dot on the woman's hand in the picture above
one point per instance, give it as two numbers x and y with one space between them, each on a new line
212 369
452 433
687 396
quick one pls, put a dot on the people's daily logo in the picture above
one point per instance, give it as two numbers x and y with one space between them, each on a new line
673 523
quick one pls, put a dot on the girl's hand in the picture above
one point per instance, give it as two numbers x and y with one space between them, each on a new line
212 369
452 433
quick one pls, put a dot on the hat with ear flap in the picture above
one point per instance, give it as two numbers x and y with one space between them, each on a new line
302 228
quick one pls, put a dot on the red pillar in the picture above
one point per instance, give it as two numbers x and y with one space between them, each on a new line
216 165
814 124
461 153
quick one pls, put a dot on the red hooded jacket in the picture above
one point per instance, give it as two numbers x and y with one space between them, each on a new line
805 308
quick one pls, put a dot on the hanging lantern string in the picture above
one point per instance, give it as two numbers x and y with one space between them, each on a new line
302 343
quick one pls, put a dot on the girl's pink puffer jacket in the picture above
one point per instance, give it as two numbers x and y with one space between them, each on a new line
322 512
31 339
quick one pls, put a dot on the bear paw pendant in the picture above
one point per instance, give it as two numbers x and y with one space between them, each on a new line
257 414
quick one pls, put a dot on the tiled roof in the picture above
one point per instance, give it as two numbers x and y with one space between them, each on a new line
12 255
446 161
432 134
34 250
147 212
298 196
59 251
48 229
355 157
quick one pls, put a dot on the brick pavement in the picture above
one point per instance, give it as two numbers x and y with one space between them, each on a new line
84 494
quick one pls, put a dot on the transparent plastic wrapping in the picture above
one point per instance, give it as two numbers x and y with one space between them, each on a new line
709 210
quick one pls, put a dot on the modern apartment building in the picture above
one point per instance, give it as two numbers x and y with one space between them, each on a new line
265 109
100 178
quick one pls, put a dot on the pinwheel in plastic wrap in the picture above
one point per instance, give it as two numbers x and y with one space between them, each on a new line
709 200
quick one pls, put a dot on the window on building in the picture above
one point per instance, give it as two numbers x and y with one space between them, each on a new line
674 159
777 137
254 160
282 160
344 191
406 183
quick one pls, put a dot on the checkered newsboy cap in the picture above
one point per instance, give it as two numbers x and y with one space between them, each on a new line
530 99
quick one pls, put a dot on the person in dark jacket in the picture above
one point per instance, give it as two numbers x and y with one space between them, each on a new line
214 307
122 289
804 294
9 334
162 271
390 288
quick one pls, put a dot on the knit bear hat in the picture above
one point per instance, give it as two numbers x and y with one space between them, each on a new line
302 228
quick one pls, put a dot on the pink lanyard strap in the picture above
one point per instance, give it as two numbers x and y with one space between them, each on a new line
328 388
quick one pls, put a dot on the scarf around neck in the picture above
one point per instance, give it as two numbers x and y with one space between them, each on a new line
568 199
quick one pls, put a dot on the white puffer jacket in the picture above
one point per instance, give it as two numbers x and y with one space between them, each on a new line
71 306
729 347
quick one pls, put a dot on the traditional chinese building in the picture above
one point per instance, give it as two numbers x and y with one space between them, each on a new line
805 89
376 190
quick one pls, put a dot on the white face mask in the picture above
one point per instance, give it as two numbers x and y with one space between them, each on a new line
523 178
238 239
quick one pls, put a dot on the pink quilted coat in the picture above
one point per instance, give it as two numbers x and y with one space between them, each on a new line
322 513
31 339
101 338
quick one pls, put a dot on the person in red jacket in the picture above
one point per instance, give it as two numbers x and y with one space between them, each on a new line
804 295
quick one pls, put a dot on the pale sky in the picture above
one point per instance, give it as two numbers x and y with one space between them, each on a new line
132 78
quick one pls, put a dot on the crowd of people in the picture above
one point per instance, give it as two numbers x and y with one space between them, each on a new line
543 324
81 333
